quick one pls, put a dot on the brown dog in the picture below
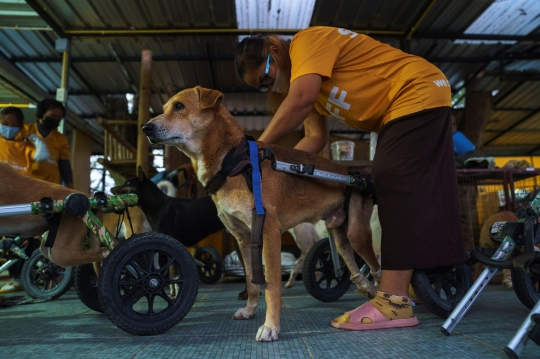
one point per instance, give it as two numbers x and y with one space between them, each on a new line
198 124
67 249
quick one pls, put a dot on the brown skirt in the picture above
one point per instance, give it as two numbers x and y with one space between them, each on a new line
415 184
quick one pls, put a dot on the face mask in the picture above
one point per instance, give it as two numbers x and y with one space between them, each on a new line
9 132
50 123
278 86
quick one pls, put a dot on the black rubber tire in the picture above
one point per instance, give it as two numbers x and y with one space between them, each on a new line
38 273
134 286
318 274
527 287
213 264
441 289
86 286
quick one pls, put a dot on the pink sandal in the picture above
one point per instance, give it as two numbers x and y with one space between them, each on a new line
367 310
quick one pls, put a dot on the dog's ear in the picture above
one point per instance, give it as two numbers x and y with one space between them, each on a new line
141 174
208 98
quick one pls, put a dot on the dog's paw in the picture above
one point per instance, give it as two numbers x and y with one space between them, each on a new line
103 254
289 284
244 314
267 334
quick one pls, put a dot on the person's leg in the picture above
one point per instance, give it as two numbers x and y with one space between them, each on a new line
418 230
392 299
391 306
396 282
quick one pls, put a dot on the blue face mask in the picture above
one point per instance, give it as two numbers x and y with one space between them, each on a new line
9 132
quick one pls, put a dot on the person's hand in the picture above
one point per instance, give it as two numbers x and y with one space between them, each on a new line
42 153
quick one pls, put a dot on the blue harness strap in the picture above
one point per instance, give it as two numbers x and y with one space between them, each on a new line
256 176
257 217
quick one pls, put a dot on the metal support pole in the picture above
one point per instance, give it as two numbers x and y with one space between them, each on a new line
8 264
63 46
15 209
304 170
518 342
505 249
144 109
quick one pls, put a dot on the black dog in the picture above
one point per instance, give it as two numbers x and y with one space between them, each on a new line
187 220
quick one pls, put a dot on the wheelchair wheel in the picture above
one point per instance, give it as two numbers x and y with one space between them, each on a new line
86 286
441 289
527 287
213 264
147 284
318 273
42 279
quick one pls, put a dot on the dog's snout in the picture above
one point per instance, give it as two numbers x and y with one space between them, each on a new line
148 128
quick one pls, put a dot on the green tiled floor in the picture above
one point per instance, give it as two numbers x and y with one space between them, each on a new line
65 328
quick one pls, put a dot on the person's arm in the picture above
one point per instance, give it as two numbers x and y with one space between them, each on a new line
294 109
66 172
315 134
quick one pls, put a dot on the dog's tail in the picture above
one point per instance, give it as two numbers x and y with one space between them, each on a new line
167 187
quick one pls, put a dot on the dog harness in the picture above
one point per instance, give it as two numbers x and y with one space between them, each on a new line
236 161
245 159
258 214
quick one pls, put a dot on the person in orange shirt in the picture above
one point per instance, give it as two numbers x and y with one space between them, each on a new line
18 150
334 72
57 168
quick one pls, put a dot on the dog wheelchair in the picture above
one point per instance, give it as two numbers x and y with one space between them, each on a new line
208 259
327 278
525 267
146 285
40 278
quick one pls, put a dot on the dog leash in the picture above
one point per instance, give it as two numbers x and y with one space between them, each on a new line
258 215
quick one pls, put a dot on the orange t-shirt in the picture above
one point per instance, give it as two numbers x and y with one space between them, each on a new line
366 83
58 147
18 153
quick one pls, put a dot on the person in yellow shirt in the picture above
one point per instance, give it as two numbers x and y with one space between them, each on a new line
57 168
334 72
18 150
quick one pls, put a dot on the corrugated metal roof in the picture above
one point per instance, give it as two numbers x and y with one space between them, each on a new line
106 64
273 14
517 17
